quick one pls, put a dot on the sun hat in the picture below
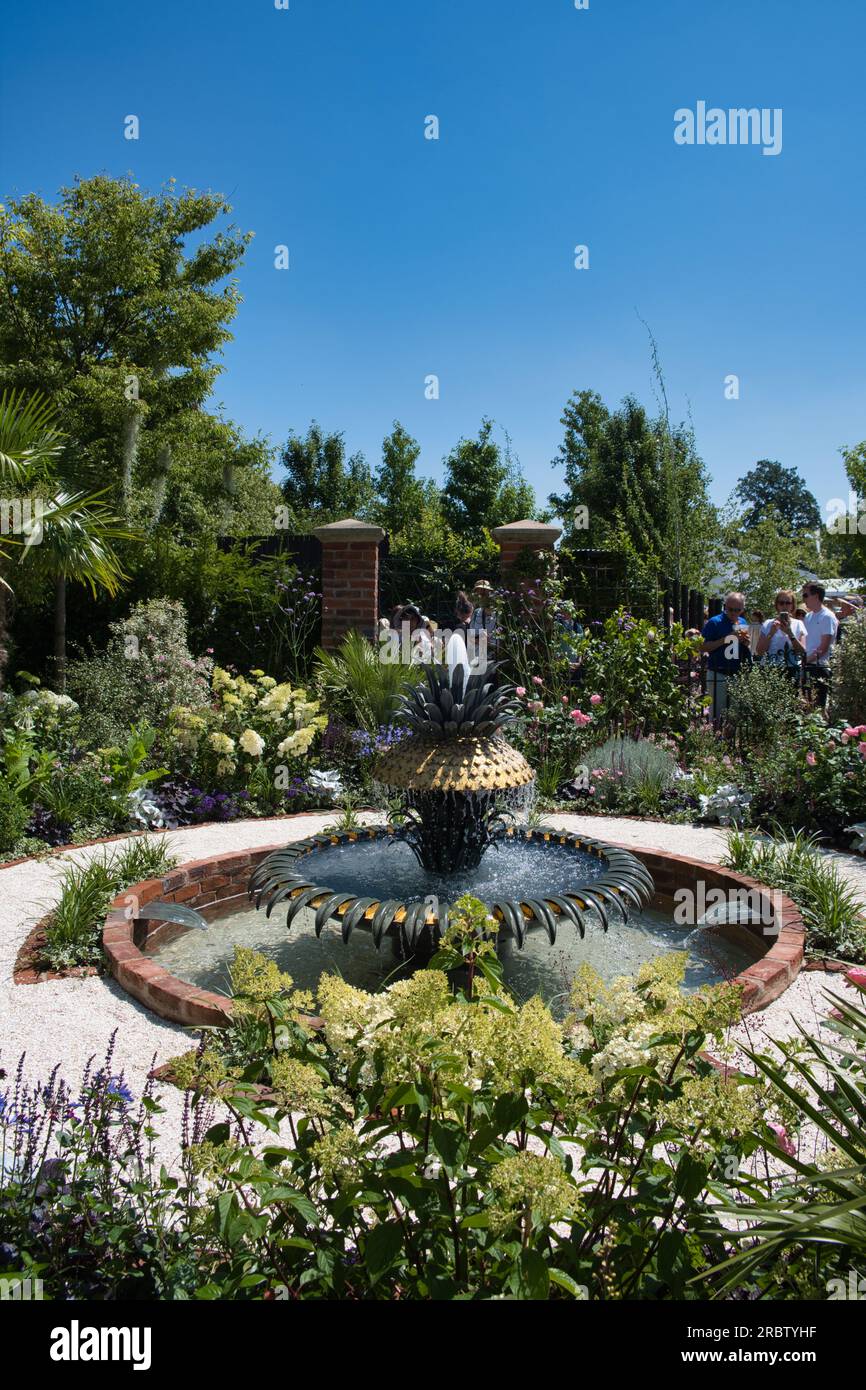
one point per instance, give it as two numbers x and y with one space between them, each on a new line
482 584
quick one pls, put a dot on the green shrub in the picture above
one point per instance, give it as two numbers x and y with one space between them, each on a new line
146 670
450 1146
74 930
815 777
763 706
444 1115
632 664
848 688
14 815
829 903
359 688
629 768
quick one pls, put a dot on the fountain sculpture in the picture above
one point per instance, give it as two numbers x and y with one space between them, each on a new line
460 783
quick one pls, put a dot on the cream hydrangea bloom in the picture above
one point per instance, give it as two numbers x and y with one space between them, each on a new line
220 679
252 743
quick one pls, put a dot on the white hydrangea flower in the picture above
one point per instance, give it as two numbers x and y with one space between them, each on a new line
252 743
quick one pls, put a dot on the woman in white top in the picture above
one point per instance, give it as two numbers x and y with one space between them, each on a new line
783 638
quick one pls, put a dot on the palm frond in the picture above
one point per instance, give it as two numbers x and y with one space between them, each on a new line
30 440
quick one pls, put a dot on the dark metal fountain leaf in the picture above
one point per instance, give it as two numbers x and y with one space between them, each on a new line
609 897
304 898
326 911
287 890
595 901
382 919
571 912
353 915
544 916
413 923
276 866
513 918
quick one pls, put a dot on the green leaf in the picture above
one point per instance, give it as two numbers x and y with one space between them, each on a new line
691 1177
533 1275
571 1286
382 1246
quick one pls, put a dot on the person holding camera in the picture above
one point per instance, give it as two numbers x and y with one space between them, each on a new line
783 639
726 647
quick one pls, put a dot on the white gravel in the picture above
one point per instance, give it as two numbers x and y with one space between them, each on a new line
72 1020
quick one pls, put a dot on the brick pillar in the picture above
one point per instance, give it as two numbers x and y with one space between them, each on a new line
518 536
350 579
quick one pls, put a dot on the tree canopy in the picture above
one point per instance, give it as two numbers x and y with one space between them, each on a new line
482 487
636 483
321 484
771 487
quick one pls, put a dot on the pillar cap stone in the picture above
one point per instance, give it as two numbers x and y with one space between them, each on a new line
349 529
528 533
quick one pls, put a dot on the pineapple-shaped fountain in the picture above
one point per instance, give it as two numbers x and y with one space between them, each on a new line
458 779
457 775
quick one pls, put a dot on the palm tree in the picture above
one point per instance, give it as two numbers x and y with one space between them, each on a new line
67 533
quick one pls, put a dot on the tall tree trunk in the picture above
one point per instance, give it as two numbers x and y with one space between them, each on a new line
60 635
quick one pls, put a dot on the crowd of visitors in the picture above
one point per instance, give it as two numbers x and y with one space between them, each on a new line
799 639
473 626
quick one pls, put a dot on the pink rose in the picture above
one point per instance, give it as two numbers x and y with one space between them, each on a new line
564 699
857 976
579 718
783 1140
536 680
861 749
595 699
811 759
520 690
535 705
849 733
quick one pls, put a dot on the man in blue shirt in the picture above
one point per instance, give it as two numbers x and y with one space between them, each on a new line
726 641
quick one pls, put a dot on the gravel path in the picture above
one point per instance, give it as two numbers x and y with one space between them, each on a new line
72 1020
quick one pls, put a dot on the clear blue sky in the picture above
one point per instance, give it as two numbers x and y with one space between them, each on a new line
411 257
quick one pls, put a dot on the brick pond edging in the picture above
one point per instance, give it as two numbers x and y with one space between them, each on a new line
210 885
